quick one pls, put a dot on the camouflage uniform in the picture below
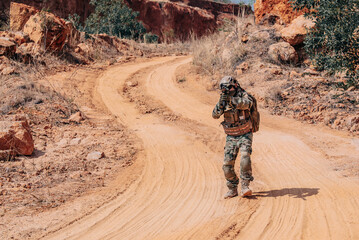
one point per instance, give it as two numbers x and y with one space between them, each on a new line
235 143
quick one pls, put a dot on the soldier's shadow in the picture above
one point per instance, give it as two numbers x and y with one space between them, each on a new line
301 193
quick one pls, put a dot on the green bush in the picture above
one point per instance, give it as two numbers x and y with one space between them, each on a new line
115 18
150 38
75 20
333 44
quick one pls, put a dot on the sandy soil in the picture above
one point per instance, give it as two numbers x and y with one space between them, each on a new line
175 188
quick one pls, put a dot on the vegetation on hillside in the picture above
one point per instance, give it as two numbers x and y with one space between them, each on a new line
333 44
112 17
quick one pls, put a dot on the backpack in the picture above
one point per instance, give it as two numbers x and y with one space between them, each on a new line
254 115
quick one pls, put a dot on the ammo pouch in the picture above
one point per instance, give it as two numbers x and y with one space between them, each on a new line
236 122
236 130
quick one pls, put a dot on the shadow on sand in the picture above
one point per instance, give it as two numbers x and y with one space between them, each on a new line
302 193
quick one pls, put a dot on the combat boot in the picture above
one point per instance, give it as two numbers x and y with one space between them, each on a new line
232 192
246 191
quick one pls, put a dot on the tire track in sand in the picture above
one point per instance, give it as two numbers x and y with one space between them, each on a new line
309 200
179 193
180 186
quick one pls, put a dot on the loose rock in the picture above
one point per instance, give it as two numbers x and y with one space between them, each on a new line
16 136
95 155
76 117
295 33
283 52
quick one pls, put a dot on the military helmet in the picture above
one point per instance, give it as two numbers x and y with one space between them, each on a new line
228 81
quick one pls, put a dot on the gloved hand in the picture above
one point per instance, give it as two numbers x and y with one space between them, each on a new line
223 97
223 100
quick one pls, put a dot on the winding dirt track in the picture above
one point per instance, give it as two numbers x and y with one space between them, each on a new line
179 188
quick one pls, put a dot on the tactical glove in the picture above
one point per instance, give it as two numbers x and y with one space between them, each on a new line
223 101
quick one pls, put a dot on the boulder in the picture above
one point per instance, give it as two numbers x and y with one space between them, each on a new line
19 15
280 9
261 35
7 47
15 135
283 52
295 32
47 30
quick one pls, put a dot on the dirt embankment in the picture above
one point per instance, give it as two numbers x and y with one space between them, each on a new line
65 164
279 74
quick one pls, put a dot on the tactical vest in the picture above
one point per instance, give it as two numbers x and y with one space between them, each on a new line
236 122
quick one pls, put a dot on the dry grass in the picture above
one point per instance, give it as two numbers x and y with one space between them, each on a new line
222 52
218 53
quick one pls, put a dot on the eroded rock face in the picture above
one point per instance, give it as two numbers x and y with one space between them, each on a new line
19 15
283 52
15 136
61 8
295 32
275 8
185 19
47 30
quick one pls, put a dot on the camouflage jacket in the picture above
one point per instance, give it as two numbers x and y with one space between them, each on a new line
241 101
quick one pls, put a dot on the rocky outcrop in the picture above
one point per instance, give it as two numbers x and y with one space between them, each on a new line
61 8
283 52
275 9
15 136
19 15
295 33
217 8
47 30
177 20
169 20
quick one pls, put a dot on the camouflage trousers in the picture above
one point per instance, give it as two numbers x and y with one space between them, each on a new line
233 145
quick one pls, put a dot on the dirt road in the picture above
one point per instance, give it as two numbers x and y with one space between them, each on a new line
179 185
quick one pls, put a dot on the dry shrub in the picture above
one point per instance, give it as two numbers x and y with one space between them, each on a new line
218 53
273 94
222 51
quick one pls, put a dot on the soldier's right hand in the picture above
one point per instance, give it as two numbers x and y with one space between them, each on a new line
223 100
223 97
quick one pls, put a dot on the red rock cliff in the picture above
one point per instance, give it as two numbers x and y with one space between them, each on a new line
183 19
61 8
170 20
280 8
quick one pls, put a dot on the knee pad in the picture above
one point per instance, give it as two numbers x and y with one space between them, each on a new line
245 154
229 172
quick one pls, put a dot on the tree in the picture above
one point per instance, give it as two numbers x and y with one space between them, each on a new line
115 18
333 44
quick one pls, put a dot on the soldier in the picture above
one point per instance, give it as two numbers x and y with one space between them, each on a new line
235 104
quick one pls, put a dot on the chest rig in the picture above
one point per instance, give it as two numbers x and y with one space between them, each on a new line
236 122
